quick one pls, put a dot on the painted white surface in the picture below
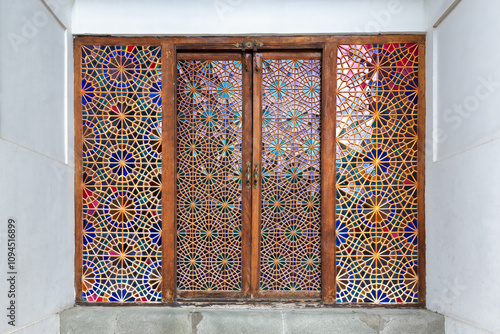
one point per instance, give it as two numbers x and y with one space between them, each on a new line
38 193
50 325
462 237
61 9
457 327
462 187
34 52
36 181
468 77
436 8
202 17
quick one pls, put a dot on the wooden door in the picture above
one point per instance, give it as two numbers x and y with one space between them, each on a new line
213 202
249 175
286 215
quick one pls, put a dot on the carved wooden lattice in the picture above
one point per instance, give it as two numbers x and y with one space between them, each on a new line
121 130
377 255
209 140
290 210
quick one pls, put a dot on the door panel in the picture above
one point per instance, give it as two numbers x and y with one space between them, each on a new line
287 91
210 196
224 163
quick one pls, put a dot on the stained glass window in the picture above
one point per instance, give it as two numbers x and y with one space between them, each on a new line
121 130
290 207
377 228
376 180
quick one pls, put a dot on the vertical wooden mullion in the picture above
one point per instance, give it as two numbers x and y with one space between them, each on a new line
169 149
328 172
257 157
246 208
421 174
77 51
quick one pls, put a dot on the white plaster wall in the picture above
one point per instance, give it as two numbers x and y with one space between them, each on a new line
468 77
49 325
437 8
204 17
462 186
36 160
454 326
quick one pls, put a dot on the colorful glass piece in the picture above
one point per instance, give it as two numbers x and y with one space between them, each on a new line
121 139
377 104
290 227
209 138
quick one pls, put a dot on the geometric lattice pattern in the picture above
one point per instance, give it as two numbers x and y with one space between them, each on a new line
121 113
291 220
209 182
377 231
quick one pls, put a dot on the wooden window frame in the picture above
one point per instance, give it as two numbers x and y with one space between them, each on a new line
327 45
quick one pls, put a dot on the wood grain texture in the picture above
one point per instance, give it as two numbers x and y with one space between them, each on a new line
303 55
201 56
285 42
246 193
297 295
421 175
257 157
169 184
328 172
77 52
210 294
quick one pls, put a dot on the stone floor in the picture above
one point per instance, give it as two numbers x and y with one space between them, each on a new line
222 320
